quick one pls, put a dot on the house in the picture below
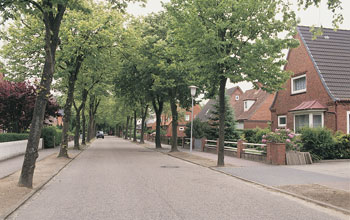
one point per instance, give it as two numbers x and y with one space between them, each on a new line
166 121
251 108
318 92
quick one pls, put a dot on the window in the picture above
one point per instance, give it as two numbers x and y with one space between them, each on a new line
237 97
348 116
298 84
187 117
282 121
312 120
181 128
248 104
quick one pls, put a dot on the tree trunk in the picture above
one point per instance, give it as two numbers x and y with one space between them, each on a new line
52 26
67 114
127 127
77 129
144 115
83 118
135 124
221 121
174 123
158 111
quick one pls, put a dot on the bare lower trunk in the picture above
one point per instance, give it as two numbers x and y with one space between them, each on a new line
135 123
77 131
52 21
144 115
221 121
174 124
83 118
127 127
158 110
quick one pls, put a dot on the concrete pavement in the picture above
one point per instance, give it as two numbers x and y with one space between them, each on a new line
12 165
117 179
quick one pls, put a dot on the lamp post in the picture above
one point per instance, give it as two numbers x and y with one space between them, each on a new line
193 93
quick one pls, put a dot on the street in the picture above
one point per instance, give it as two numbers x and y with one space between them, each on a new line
117 179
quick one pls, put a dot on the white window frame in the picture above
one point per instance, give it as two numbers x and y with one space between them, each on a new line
248 104
187 117
311 114
237 97
292 85
278 120
348 124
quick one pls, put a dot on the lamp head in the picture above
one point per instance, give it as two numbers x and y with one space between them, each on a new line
193 90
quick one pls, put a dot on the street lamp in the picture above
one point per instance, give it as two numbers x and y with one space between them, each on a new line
193 93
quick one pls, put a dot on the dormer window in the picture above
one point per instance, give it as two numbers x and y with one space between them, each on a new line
298 84
237 97
248 104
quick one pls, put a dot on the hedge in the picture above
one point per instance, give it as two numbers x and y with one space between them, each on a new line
323 145
7 137
51 136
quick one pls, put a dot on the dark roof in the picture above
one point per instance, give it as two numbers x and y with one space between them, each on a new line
205 113
330 54
309 105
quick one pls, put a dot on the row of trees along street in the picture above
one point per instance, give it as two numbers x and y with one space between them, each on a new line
118 68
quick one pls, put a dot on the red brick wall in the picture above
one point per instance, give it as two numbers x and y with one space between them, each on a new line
233 96
342 109
299 62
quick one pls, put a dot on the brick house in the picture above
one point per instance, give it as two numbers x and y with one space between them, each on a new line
318 93
251 108
184 118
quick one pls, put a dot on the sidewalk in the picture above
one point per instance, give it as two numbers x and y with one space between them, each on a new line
327 184
11 165
46 168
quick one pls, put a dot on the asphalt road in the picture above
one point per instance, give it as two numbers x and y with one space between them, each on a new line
116 179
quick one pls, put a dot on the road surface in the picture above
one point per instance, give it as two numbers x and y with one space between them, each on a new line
116 179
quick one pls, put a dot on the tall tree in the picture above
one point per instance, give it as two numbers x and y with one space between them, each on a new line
51 13
234 39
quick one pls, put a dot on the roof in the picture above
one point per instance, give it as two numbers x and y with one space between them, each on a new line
258 95
330 54
309 105
205 113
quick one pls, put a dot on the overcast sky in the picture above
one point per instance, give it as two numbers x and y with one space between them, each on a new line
312 16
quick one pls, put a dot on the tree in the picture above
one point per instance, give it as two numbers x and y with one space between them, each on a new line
17 100
230 123
83 35
51 13
234 39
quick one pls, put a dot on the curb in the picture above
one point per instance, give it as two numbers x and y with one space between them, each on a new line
34 191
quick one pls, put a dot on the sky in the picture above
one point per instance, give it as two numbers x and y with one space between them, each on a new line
312 16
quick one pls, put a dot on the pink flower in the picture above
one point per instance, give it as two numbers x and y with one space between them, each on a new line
288 140
263 140
287 130
264 136
290 135
277 129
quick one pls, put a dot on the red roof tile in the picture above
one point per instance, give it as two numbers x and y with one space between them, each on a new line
309 105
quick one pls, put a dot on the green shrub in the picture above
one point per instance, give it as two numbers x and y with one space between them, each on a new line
7 137
249 135
259 133
319 142
52 136
342 146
